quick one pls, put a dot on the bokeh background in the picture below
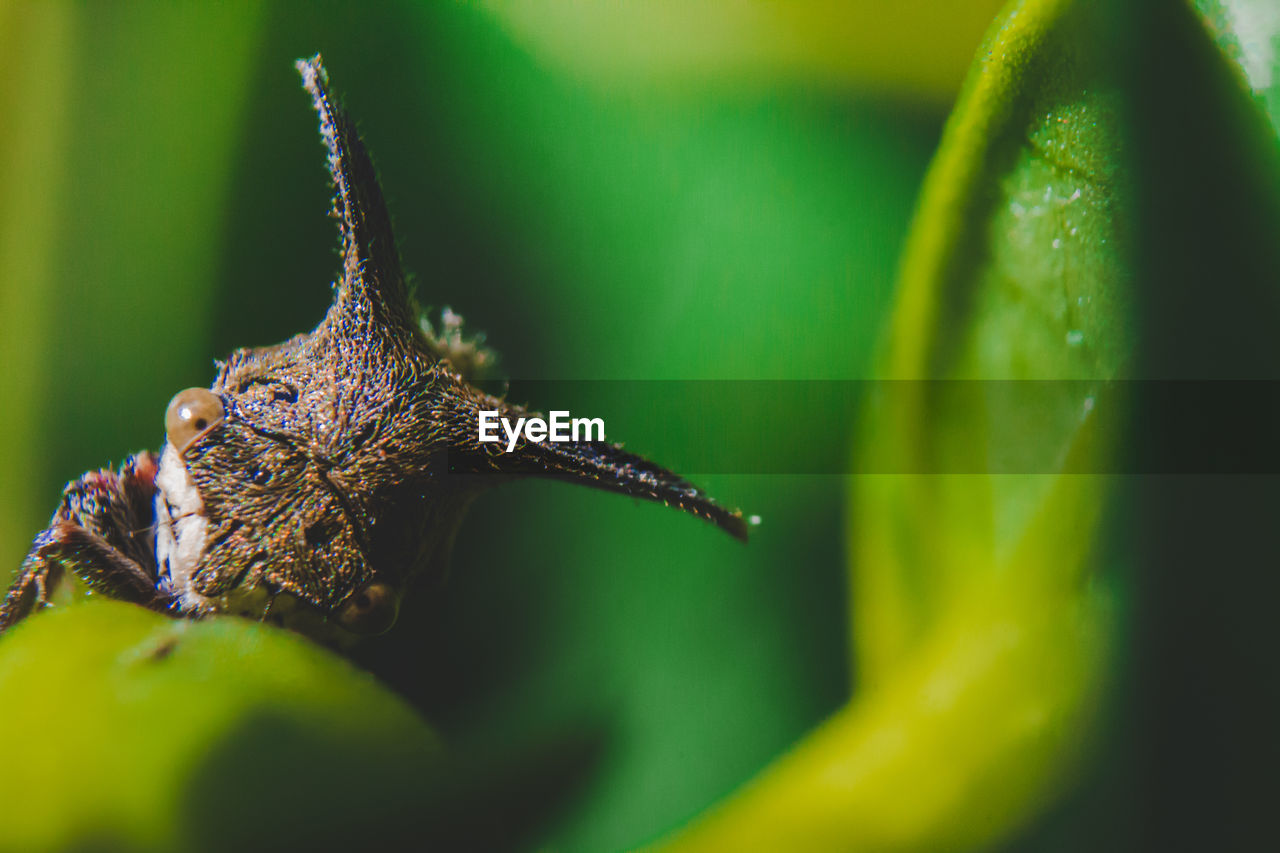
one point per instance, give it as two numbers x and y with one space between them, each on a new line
641 191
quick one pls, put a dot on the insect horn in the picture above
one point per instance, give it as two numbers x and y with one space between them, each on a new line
372 304
598 465
372 294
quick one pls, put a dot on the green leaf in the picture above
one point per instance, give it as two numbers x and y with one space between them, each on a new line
128 729
985 606
1018 267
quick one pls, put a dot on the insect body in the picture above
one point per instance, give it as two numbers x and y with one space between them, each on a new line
316 478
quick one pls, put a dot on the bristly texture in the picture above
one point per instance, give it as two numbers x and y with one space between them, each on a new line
468 356
339 464
341 457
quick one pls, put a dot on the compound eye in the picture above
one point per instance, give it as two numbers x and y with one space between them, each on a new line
371 610
190 414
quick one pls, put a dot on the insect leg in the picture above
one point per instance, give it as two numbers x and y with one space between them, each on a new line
102 533
68 547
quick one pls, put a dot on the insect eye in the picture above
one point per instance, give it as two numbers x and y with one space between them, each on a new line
371 610
191 413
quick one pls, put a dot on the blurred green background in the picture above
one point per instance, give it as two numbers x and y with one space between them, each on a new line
736 220
647 191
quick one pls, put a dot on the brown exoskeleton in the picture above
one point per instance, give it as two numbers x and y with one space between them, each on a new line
317 477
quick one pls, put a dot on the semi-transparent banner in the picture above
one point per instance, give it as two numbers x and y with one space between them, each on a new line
910 427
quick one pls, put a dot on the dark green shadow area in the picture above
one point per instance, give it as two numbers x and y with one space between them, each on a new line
250 794
1206 632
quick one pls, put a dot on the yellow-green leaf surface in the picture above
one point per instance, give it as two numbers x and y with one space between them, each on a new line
914 48
125 729
981 618
1018 270
34 47
120 133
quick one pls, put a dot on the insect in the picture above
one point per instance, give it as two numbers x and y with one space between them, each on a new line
316 479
